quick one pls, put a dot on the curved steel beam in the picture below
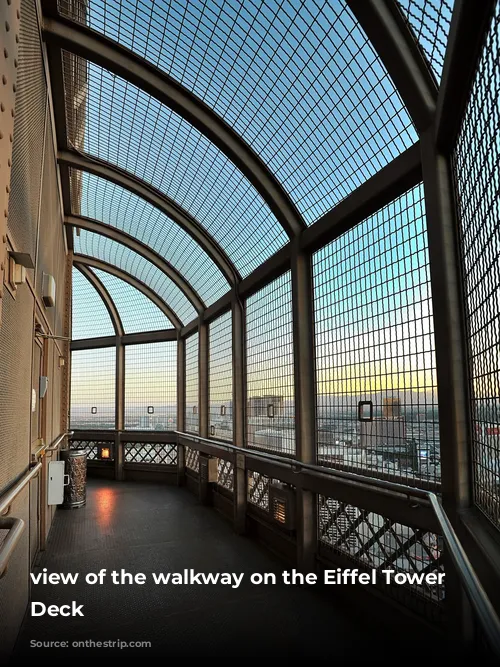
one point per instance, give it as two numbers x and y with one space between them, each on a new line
110 55
105 296
142 249
93 262
139 187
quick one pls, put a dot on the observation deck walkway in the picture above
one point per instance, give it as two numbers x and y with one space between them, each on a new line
145 528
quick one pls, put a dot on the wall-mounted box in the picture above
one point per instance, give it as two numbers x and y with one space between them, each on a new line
48 290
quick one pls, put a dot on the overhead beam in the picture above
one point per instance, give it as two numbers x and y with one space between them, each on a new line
469 25
106 53
392 39
131 280
142 249
126 339
139 187
106 298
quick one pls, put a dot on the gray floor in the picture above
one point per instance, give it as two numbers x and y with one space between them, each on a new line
151 528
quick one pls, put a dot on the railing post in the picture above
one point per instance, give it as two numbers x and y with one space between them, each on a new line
239 413
305 403
203 404
181 406
119 407
451 357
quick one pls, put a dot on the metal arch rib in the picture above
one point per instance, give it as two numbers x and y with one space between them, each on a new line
93 262
139 187
105 296
141 249
82 41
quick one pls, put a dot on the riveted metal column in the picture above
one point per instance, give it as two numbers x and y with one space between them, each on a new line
305 408
239 414
204 488
450 341
119 407
181 406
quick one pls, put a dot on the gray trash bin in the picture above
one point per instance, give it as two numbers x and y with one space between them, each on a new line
75 467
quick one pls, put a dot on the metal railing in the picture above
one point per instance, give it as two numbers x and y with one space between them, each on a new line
479 601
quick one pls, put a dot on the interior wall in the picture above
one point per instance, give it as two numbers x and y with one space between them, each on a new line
35 227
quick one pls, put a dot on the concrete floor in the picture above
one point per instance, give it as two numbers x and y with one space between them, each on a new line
151 528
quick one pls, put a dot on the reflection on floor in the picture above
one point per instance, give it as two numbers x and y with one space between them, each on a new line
145 528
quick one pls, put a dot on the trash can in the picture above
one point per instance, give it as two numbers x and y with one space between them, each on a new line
75 470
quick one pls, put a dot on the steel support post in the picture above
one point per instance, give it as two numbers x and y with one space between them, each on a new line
119 407
451 356
305 403
181 406
204 489
239 414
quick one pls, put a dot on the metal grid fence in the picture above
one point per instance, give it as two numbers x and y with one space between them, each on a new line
375 364
299 81
258 490
93 389
192 418
220 378
150 453
476 168
192 458
376 542
89 315
151 386
270 368
430 22
136 311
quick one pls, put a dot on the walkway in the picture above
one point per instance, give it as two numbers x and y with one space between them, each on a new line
152 528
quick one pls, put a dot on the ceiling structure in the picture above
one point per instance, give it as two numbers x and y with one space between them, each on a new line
200 142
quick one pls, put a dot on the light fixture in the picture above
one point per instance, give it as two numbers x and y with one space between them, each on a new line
223 410
105 451
93 410
282 505
151 410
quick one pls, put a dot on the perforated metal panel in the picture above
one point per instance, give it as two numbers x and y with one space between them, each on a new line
298 80
93 389
430 22
90 317
151 386
192 419
476 160
136 311
375 364
220 378
29 132
270 368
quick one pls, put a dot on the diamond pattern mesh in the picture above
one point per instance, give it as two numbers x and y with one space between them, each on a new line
225 471
192 457
150 452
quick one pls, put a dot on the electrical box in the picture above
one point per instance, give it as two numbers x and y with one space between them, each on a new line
44 384
18 274
208 469
49 290
56 479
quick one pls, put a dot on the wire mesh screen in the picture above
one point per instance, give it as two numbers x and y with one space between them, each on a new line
270 368
299 81
151 386
89 316
220 378
136 311
377 408
152 453
476 167
129 128
225 470
93 389
192 419
110 203
117 254
377 542
430 22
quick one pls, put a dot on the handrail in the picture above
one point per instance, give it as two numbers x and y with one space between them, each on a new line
15 528
480 603
7 499
56 443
